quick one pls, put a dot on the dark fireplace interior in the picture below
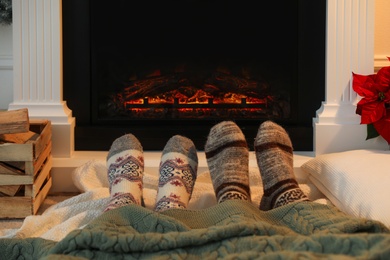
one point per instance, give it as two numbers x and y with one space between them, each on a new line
160 68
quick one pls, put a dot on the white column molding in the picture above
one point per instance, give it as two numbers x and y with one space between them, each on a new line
349 48
37 53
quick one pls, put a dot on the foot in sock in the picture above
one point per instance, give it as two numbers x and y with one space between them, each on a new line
178 171
274 155
125 163
227 157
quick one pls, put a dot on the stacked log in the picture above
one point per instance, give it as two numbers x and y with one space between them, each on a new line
14 128
25 163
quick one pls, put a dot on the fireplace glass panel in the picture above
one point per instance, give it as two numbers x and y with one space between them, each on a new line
194 59
182 66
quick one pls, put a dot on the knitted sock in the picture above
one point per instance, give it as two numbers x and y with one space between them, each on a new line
178 171
227 157
274 154
125 163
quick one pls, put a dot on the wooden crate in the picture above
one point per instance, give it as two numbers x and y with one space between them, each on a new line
26 166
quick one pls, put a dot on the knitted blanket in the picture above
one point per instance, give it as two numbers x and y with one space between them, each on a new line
232 229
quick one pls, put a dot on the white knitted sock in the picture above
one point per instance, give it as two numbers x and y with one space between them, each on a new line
125 163
178 171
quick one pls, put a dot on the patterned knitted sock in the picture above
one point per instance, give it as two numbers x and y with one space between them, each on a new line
274 154
227 157
125 163
178 171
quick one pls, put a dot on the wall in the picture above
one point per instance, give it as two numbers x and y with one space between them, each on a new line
6 89
382 33
382 50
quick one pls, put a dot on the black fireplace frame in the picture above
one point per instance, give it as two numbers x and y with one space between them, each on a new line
153 134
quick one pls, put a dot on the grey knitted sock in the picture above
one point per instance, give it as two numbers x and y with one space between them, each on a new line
125 163
274 154
227 157
178 171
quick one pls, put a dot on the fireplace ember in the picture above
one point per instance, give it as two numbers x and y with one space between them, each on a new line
181 95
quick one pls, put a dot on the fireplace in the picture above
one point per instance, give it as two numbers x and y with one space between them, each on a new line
38 83
159 68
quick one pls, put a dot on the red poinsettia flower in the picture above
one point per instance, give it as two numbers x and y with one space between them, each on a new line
383 127
374 106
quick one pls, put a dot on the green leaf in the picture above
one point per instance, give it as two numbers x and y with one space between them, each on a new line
371 132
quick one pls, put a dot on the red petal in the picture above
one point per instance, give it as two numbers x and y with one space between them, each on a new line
383 79
359 109
383 127
363 85
372 112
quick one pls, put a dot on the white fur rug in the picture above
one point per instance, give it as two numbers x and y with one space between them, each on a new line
91 179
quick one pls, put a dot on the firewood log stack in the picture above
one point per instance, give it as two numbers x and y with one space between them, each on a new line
14 128
25 163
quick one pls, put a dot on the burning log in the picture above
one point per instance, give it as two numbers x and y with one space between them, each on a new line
152 87
220 86
221 83
175 96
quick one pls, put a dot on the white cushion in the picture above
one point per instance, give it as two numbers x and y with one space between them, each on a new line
357 181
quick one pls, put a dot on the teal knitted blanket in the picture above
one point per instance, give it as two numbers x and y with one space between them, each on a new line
230 230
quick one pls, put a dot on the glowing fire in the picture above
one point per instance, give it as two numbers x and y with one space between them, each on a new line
178 95
200 98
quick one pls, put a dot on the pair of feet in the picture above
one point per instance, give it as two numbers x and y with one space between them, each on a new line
227 157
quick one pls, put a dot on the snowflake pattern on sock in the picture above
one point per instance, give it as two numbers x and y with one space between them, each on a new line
120 199
125 173
289 196
231 195
176 173
129 168
173 201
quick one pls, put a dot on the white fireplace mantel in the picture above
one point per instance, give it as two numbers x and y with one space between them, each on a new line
349 48
37 41
37 70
